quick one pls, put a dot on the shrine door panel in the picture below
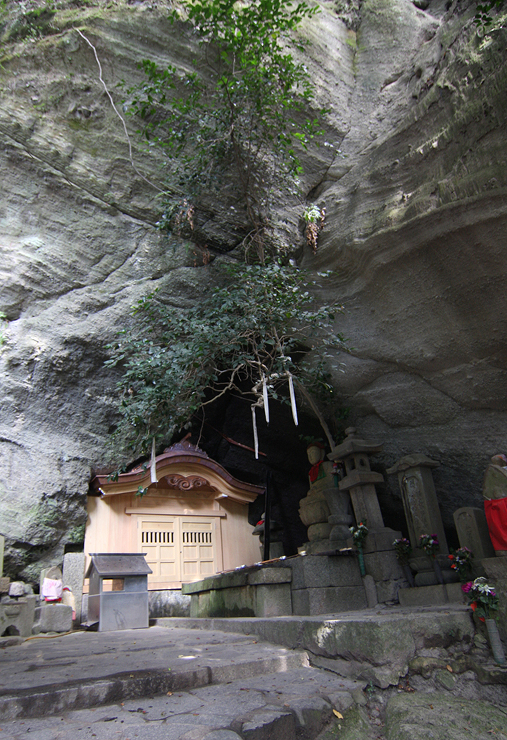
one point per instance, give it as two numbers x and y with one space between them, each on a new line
159 539
198 548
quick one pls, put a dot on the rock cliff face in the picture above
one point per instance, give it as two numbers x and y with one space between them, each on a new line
416 223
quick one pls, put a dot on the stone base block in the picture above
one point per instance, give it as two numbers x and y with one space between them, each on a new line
438 595
168 604
429 578
389 590
313 601
16 616
53 618
263 592
383 566
319 571
380 540
5 583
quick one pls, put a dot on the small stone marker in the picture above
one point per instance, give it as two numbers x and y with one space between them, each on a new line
420 499
473 532
73 576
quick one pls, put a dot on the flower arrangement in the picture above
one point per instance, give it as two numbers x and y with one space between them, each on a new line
484 602
430 544
403 549
462 562
359 534
482 598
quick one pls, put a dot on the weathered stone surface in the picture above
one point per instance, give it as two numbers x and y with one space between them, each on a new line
168 604
270 575
17 616
314 601
446 718
73 576
436 595
17 588
416 218
272 723
317 571
53 618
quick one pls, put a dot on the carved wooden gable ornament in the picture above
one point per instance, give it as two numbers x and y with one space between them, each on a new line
184 468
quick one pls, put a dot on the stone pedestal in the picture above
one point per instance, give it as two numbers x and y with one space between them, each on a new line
314 513
53 618
436 595
250 592
341 517
472 529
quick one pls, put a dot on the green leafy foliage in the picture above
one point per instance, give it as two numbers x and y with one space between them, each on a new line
483 17
253 326
242 112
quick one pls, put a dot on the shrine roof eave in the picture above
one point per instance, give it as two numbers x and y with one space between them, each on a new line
170 461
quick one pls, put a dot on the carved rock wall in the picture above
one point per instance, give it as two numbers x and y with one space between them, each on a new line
416 217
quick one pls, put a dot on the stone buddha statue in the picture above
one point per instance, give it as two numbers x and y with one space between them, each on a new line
321 472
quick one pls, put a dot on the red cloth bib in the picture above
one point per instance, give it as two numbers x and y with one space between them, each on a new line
496 516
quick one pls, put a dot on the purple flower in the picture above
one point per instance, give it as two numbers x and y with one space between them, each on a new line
466 587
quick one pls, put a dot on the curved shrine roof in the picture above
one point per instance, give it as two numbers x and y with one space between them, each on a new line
182 466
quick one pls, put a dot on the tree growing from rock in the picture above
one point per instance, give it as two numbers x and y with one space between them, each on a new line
244 109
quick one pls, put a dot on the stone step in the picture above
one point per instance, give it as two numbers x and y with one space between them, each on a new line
46 676
375 645
295 704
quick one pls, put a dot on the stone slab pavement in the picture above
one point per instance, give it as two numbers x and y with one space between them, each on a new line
176 684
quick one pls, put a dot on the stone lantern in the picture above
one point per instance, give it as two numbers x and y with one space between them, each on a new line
359 480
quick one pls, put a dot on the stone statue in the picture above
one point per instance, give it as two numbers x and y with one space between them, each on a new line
321 472
313 509
495 502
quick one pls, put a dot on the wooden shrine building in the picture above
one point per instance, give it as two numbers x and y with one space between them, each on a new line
191 524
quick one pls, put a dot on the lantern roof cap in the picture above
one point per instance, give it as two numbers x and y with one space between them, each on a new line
352 445
412 461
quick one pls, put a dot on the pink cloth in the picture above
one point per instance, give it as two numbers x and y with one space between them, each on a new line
52 590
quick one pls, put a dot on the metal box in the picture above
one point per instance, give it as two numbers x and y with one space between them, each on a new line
118 595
